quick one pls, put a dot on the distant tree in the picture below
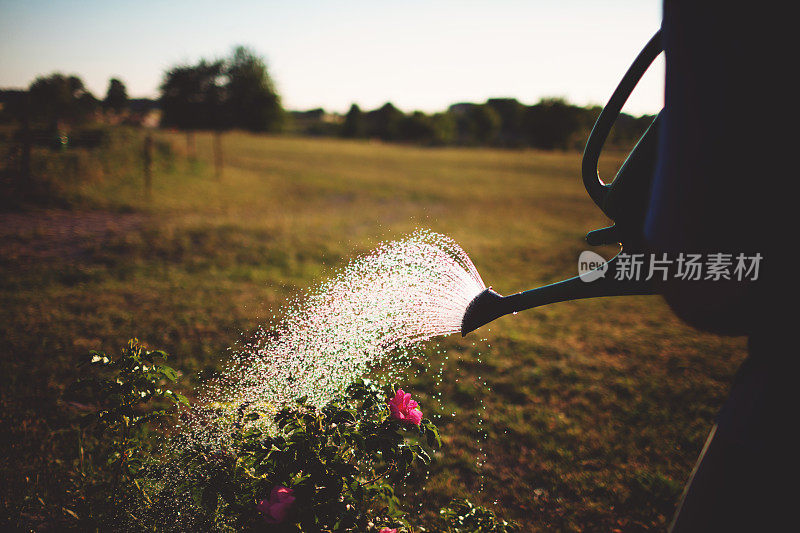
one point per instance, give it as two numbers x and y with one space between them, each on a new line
13 104
253 102
552 123
354 126
416 127
384 123
485 123
234 93
444 125
437 129
116 96
464 133
511 113
59 98
475 123
193 97
316 122
177 92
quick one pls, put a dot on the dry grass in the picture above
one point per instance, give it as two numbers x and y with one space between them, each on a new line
593 412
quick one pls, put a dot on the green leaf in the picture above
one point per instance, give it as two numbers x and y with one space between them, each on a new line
169 373
432 437
181 398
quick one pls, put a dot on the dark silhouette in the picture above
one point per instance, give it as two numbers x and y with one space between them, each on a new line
353 126
192 96
551 123
235 93
252 101
384 123
437 129
116 96
719 188
238 93
512 114
58 99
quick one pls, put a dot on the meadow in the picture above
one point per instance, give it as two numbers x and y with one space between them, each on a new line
580 416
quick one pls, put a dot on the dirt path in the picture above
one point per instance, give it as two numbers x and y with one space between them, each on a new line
43 235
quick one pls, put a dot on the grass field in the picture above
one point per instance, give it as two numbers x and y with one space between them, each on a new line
594 410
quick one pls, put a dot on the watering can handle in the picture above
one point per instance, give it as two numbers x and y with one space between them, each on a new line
597 189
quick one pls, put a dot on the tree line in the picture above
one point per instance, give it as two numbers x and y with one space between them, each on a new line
552 123
234 92
237 92
61 99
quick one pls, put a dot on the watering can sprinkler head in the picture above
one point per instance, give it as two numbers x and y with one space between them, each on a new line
625 201
484 308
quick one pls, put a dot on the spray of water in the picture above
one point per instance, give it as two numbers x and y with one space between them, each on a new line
379 306
375 313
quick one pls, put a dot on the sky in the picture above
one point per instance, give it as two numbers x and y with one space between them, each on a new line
419 55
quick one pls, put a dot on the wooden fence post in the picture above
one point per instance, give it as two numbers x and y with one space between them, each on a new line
148 165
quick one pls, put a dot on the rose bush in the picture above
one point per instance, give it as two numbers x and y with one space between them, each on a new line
338 467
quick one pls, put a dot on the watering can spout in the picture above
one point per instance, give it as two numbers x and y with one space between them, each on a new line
485 307
489 305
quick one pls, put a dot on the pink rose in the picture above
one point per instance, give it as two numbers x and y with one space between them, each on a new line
404 409
277 505
388 530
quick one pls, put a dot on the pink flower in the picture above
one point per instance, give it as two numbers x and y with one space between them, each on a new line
277 505
388 530
404 409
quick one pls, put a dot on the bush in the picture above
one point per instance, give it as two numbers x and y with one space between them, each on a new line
115 412
337 467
